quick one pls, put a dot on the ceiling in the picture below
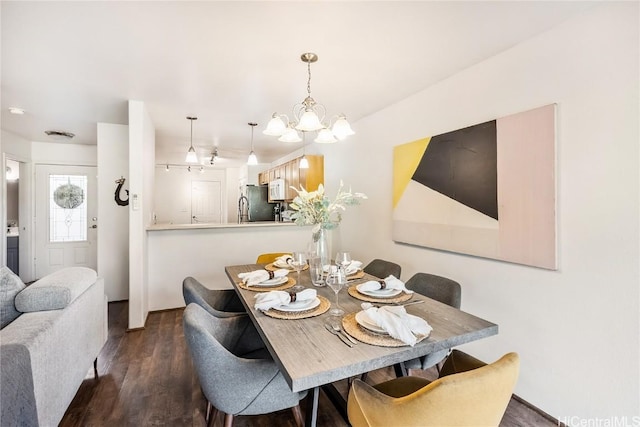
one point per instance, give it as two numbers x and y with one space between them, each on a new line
70 65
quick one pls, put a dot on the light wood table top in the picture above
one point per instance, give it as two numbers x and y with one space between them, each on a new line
310 356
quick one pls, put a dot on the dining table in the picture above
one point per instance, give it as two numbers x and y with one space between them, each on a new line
311 357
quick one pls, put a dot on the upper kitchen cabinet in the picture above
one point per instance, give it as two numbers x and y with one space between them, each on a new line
295 177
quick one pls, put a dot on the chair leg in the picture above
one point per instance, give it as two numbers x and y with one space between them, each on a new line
228 420
400 370
95 368
212 414
297 414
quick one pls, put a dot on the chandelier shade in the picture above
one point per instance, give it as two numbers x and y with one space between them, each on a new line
308 116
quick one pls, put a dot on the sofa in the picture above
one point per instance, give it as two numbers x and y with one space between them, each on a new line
52 332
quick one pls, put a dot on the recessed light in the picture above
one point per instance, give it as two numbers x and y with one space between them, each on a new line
16 110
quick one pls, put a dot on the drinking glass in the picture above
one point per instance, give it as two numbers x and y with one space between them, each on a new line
336 279
316 271
343 259
299 260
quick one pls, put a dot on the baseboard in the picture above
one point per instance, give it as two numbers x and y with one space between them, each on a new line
538 410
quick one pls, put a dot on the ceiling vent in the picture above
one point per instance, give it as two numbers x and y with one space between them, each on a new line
59 135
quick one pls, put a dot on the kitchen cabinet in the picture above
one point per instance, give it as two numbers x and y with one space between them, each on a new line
12 254
295 177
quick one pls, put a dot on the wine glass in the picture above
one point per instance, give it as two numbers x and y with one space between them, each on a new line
343 259
336 279
298 261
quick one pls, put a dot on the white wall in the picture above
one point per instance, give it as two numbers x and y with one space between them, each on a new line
577 328
141 191
113 220
56 153
173 192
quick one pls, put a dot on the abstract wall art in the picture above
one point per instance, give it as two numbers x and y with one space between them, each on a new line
487 190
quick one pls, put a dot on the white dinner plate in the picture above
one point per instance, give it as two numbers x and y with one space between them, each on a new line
379 293
273 282
299 305
365 321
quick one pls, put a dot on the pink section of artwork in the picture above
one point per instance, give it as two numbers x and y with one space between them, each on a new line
526 187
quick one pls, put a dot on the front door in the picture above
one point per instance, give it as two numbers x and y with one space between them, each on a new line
66 218
206 205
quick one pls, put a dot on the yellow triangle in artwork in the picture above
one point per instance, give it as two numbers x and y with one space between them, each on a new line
406 158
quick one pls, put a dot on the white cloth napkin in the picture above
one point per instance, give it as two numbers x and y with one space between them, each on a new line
390 283
398 323
283 261
258 276
267 300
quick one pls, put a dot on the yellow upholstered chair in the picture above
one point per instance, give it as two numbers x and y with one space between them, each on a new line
477 397
268 258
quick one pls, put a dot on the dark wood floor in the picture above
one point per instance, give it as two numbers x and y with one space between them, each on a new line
147 379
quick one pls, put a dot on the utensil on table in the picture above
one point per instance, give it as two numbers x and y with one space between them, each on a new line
338 328
336 333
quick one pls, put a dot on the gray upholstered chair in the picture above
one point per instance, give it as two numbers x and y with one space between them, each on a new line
381 268
235 380
441 289
218 302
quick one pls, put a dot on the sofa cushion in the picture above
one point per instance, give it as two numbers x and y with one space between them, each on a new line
10 286
55 291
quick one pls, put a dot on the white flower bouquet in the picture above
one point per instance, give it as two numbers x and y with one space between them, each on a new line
315 208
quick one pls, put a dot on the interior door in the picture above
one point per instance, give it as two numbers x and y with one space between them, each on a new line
66 218
206 202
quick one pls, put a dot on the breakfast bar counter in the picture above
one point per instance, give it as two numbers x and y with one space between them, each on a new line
203 250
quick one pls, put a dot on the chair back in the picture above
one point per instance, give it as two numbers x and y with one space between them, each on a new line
381 268
233 384
474 398
439 288
218 302
267 258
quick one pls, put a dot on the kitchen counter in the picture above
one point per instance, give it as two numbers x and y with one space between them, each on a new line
159 227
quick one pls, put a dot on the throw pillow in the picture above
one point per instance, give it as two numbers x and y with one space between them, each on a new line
10 286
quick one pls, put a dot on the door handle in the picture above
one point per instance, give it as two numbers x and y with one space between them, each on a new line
94 226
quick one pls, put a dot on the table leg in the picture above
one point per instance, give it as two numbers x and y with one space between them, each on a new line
311 415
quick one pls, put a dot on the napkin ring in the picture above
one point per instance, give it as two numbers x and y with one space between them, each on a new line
271 274
383 284
292 295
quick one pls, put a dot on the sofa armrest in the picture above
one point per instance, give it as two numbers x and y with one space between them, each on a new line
56 290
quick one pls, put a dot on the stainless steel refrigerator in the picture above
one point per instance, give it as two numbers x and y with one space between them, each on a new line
254 205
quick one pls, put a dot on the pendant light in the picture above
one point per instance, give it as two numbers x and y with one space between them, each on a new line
192 157
252 160
304 163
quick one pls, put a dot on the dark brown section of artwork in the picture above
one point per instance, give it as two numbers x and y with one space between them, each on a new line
462 165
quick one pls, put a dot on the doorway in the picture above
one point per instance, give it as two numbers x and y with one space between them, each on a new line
66 218
206 202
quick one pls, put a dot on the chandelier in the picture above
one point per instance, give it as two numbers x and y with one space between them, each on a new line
308 116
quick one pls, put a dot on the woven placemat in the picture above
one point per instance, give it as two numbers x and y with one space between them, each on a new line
288 315
352 327
272 267
358 275
402 297
286 285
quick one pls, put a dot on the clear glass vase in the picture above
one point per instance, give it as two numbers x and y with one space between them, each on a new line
322 247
